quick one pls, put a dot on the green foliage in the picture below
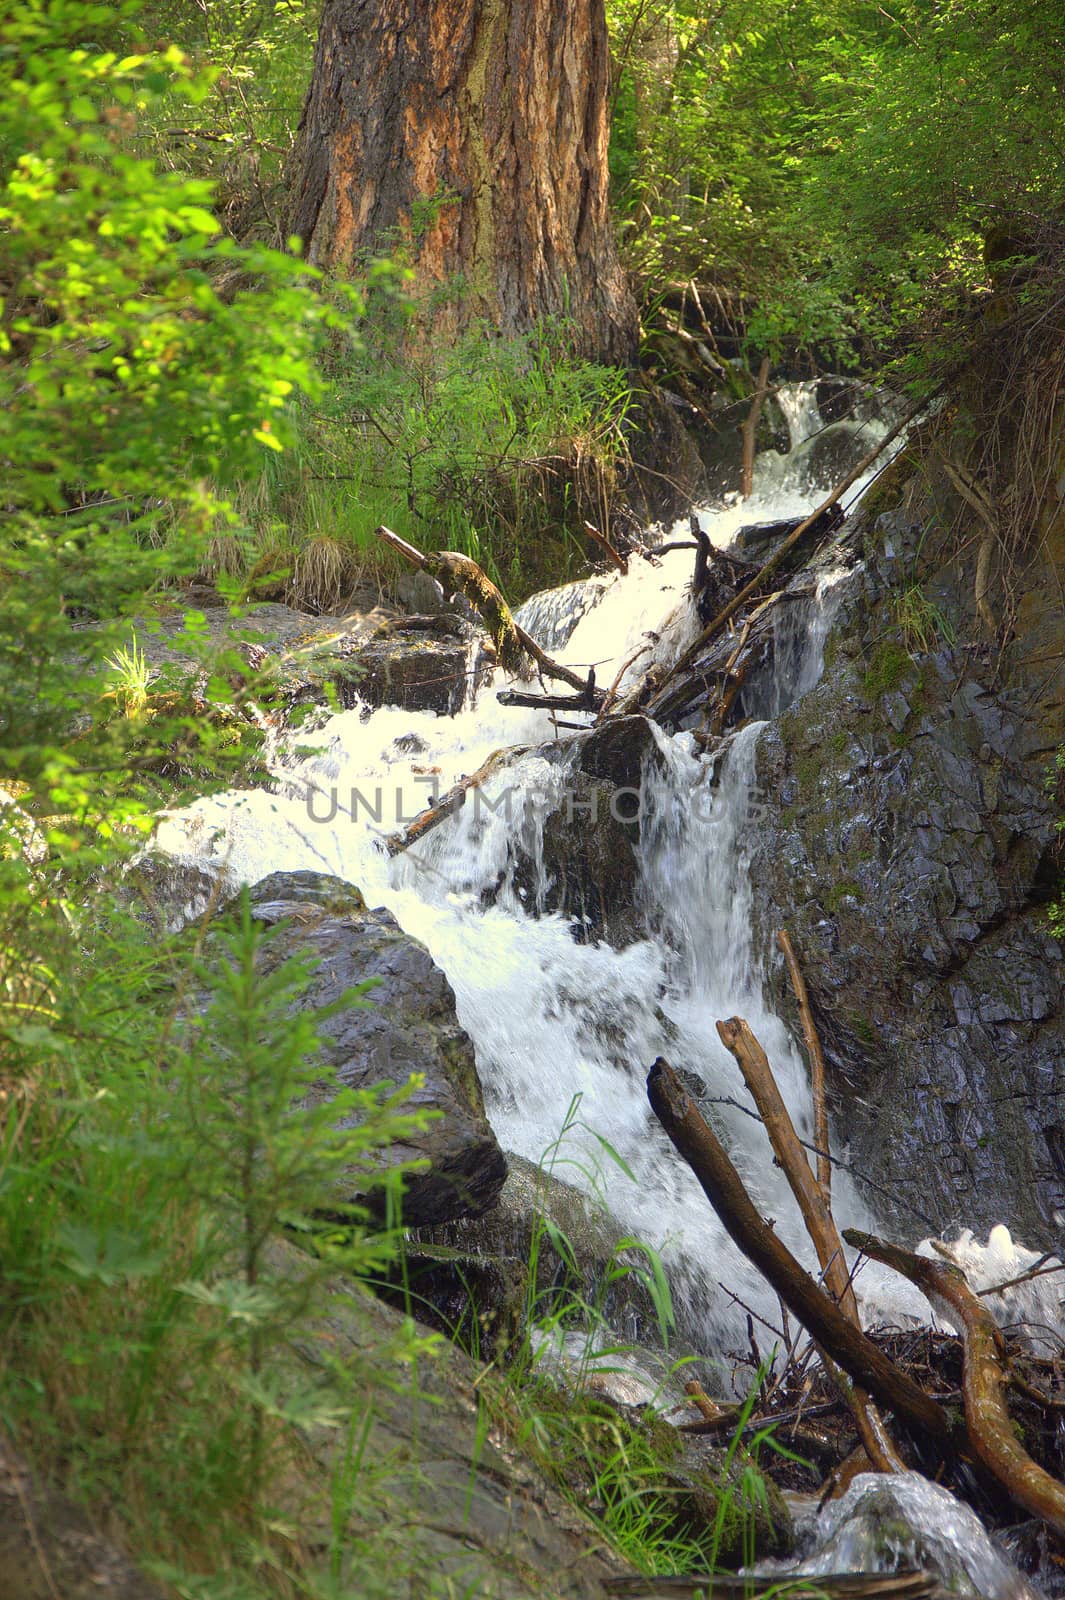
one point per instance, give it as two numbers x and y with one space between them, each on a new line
133 389
924 625
498 448
151 1156
843 166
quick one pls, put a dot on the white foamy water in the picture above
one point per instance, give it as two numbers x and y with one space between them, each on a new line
551 1018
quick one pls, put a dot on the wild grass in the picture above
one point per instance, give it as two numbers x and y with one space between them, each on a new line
498 448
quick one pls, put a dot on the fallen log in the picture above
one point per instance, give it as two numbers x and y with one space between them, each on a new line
700 1147
738 1038
448 804
457 574
989 1427
752 588
590 698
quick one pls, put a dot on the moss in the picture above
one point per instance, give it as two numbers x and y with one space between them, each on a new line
888 667
861 1027
808 766
844 889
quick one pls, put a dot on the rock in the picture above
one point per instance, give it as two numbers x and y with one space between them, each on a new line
588 865
49 1549
422 663
460 1499
411 1026
419 663
166 893
909 844
905 1523
488 1260
733 1498
757 542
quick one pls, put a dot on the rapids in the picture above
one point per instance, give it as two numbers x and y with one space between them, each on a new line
550 1018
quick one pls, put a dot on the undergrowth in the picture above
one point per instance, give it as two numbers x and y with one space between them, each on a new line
150 1161
621 1469
498 448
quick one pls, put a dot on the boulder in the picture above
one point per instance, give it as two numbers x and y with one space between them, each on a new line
589 863
910 845
49 1547
377 656
411 1026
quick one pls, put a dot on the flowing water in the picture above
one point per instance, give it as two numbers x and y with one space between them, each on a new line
551 1018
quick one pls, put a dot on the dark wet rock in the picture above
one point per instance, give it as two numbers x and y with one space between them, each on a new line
585 862
464 1503
377 656
420 664
757 542
710 1492
483 1265
909 844
410 1027
166 893
49 1548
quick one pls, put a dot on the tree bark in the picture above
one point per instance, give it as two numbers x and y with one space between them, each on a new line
469 136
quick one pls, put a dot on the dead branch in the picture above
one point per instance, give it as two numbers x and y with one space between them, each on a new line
604 544
457 574
738 1038
750 430
817 1065
449 803
988 1424
590 698
866 1364
739 600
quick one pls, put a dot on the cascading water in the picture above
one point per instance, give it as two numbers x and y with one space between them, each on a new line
551 1018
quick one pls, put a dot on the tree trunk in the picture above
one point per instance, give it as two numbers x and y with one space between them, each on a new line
471 137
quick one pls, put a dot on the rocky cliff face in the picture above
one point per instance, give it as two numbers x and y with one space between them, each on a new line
910 845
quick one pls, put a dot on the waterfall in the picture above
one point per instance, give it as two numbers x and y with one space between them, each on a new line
551 1018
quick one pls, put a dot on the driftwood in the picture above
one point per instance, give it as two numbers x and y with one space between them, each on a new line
988 1424
590 698
449 803
737 1038
817 1065
700 1147
457 574
738 601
